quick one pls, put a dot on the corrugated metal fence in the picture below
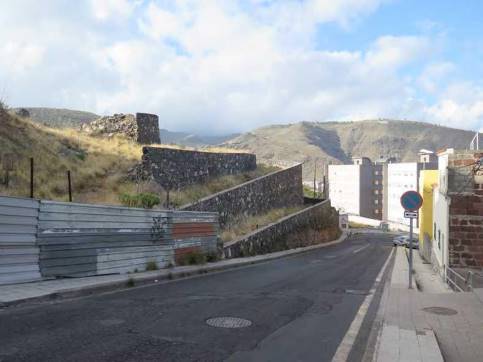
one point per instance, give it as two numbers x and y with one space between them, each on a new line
83 240
19 253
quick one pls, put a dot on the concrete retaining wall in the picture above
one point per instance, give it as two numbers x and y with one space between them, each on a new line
275 190
173 168
313 225
392 226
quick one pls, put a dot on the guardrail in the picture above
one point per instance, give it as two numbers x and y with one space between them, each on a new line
462 283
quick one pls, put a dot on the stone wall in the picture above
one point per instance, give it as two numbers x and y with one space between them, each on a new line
142 128
275 190
173 168
147 128
465 188
313 225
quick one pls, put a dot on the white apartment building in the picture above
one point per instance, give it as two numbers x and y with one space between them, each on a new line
357 188
402 177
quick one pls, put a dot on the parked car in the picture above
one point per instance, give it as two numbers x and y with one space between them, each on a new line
415 244
403 240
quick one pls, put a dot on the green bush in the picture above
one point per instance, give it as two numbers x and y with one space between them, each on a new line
151 265
130 283
144 200
212 257
191 258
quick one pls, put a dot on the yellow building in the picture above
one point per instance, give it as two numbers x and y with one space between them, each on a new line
427 180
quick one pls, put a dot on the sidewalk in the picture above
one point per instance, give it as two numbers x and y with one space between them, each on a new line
70 287
452 327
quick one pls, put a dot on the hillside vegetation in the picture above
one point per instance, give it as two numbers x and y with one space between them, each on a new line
337 142
59 117
100 167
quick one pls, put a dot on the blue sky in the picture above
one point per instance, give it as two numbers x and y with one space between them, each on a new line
228 66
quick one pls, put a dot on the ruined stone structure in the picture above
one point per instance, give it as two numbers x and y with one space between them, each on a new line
142 128
173 168
275 190
313 225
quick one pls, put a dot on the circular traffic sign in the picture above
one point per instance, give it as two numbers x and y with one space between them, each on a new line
411 200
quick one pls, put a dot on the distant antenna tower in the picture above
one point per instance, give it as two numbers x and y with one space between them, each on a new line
475 142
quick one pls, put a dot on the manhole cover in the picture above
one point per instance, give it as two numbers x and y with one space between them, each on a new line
350 291
228 322
440 310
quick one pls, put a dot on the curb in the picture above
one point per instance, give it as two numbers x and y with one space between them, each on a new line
155 277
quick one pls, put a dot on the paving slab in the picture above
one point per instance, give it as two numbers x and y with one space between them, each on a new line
433 323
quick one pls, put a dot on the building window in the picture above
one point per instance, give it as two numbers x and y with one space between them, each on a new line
376 192
376 211
376 202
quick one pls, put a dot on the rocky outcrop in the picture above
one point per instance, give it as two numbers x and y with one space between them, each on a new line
22 112
142 128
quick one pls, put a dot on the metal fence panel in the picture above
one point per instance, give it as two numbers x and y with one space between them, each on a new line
84 240
55 239
19 253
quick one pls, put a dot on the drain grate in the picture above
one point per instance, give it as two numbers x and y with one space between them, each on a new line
440 310
228 322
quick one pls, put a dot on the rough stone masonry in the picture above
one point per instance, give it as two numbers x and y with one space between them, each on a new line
173 168
142 128
278 189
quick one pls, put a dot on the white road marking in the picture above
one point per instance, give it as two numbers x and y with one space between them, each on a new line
345 347
357 250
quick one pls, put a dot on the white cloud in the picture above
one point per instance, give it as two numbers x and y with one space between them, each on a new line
460 105
434 74
218 66
20 57
105 9
396 51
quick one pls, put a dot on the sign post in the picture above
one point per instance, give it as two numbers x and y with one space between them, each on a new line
411 201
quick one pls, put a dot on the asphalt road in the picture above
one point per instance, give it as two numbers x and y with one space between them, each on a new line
300 308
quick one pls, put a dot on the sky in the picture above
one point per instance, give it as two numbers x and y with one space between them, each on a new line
216 67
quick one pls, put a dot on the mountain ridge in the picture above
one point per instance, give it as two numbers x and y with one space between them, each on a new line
338 142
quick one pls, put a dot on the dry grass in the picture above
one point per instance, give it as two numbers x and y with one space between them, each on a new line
197 192
246 225
99 166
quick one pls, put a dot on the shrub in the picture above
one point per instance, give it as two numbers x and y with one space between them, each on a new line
144 200
192 258
212 257
130 283
151 265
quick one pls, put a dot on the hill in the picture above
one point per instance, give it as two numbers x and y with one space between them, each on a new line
59 118
337 142
99 173
101 167
193 140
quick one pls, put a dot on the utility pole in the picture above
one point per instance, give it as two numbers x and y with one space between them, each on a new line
315 175
31 177
69 183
